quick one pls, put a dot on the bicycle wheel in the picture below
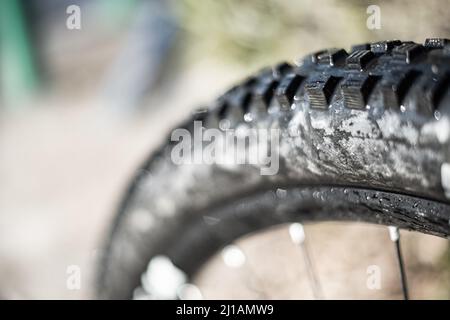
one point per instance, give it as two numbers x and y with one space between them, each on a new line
358 136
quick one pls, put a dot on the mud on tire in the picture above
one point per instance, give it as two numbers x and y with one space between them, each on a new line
364 135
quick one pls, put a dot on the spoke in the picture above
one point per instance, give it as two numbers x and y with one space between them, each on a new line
298 236
394 234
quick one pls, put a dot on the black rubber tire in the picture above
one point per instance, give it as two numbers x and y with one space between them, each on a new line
364 137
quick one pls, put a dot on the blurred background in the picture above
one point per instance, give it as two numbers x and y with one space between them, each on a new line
83 102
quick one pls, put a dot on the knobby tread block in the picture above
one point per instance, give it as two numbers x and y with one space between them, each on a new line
331 57
359 47
386 69
384 46
319 90
241 98
357 89
359 59
288 87
281 69
264 91
395 88
436 43
407 52
222 108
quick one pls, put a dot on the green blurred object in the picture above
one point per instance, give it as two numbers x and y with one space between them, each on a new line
117 12
18 72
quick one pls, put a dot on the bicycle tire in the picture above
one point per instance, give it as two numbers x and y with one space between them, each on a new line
364 136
